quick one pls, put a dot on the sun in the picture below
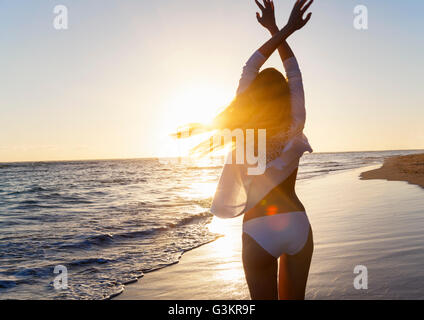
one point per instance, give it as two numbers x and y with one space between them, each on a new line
190 103
196 103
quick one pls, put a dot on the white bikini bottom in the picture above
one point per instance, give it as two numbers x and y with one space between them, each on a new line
280 233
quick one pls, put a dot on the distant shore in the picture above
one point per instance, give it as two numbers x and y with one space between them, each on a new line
408 168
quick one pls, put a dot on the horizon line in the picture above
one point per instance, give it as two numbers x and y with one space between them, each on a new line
153 157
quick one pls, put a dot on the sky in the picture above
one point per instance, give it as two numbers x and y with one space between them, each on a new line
126 73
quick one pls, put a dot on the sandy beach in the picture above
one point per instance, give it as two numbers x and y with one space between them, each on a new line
408 168
374 223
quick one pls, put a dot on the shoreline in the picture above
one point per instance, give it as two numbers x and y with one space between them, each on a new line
131 290
408 168
194 268
136 280
345 235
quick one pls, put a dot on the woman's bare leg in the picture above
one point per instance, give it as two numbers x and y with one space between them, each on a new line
293 272
261 270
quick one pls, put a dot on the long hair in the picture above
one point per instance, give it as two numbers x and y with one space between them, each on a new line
265 104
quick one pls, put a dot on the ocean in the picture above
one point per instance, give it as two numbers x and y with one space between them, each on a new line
111 221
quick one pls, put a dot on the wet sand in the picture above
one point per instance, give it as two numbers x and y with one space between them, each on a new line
374 223
401 168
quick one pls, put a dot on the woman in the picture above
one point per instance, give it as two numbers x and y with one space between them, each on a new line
291 237
275 225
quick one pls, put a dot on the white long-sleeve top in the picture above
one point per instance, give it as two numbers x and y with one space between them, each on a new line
237 192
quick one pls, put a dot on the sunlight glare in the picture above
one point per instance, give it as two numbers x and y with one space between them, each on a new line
203 190
196 103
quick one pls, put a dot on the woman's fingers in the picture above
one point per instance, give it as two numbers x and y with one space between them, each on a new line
260 5
308 17
258 17
296 20
305 8
269 5
300 4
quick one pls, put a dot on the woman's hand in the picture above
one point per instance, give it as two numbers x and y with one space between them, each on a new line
279 37
296 20
267 20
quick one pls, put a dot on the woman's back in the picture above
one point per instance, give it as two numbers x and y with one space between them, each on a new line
281 199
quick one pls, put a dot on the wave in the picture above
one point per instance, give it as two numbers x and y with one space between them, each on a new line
109 239
35 272
26 275
34 189
191 219
206 167
204 203
42 195
327 170
83 262
7 284
122 181
67 199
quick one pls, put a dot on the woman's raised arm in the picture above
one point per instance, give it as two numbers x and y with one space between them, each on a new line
296 22
267 20
278 40
294 76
